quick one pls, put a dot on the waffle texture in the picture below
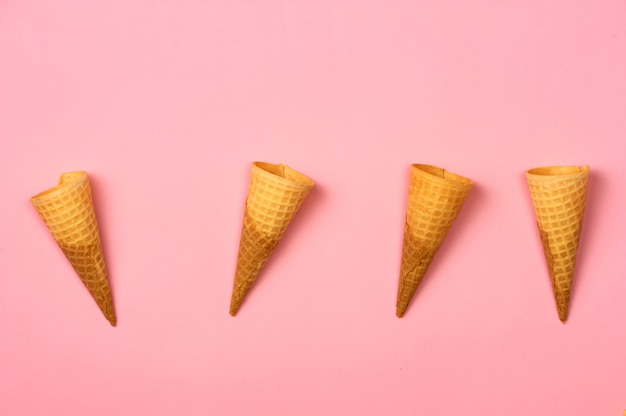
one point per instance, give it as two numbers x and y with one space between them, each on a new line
558 194
435 198
67 210
275 195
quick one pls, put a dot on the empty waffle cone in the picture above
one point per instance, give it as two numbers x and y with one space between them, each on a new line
67 209
275 195
435 198
558 194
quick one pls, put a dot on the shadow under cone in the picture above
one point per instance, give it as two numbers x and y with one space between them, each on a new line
68 212
435 198
558 194
275 195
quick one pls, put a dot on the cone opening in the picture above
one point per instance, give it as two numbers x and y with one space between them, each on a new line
64 180
443 175
558 170
284 172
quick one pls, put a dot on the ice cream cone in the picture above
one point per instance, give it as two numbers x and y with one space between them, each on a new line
435 198
67 210
275 195
558 194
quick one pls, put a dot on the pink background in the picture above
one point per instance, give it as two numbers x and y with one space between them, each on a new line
166 103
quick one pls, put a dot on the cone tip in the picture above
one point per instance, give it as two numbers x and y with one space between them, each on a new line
562 309
400 311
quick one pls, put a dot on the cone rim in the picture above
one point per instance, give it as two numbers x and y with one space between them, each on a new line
68 178
557 172
441 175
282 173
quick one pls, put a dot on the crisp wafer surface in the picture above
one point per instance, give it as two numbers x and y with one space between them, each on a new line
558 194
275 195
435 198
68 212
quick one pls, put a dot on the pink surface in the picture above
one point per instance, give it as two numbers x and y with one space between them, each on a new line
166 103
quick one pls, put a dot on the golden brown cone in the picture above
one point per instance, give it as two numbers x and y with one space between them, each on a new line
67 209
558 194
435 198
275 195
